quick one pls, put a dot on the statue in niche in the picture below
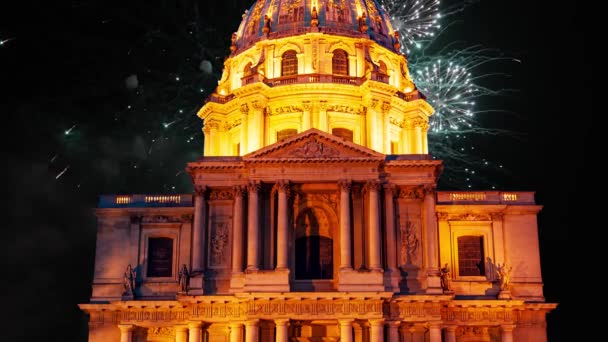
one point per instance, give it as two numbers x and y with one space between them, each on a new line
409 243
504 275
446 279
129 281
184 279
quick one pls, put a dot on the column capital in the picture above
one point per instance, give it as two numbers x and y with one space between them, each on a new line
435 324
126 327
283 186
254 186
195 325
429 189
180 328
236 325
372 185
252 322
345 185
394 324
346 321
200 190
507 327
244 108
450 327
306 105
281 321
239 190
376 321
390 189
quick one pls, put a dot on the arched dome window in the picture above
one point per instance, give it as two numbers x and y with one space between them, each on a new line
382 68
343 133
247 69
286 133
289 63
339 62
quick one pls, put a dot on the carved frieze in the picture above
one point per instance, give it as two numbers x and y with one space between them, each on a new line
414 192
315 149
415 310
161 219
221 194
150 315
469 217
200 190
471 314
284 110
346 109
161 332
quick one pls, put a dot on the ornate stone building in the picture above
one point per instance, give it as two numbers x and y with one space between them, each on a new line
315 215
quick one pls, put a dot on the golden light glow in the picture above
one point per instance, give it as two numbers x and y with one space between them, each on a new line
123 199
248 111
359 9
163 199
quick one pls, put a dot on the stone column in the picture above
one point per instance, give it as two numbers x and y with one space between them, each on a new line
198 240
424 138
346 330
236 331
450 333
281 329
393 331
506 332
391 236
237 234
377 330
282 226
434 332
323 116
252 228
430 222
346 262
418 123
181 333
256 136
126 332
244 129
306 117
195 332
386 107
252 330
375 238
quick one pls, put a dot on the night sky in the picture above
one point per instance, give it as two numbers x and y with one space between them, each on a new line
74 130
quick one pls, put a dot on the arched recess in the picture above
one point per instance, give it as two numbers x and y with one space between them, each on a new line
277 123
342 46
351 122
316 217
314 245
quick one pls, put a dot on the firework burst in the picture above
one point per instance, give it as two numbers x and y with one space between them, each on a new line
416 20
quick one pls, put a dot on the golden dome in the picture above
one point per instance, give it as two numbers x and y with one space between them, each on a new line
273 19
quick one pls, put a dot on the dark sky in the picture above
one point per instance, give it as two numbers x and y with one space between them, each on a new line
63 67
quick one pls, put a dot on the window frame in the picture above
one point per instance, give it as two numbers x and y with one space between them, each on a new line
160 230
481 229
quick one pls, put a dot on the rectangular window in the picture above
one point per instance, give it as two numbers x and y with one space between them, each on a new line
471 256
160 257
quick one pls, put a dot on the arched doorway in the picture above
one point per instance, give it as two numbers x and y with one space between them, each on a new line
314 247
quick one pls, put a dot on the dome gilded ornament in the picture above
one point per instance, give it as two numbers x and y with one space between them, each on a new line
273 19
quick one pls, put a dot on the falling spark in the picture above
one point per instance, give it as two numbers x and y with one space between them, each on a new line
62 172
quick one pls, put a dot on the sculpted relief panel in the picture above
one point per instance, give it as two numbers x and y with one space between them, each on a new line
410 235
219 236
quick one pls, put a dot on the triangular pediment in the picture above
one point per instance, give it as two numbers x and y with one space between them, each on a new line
313 145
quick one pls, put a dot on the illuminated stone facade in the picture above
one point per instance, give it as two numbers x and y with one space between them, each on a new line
315 215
